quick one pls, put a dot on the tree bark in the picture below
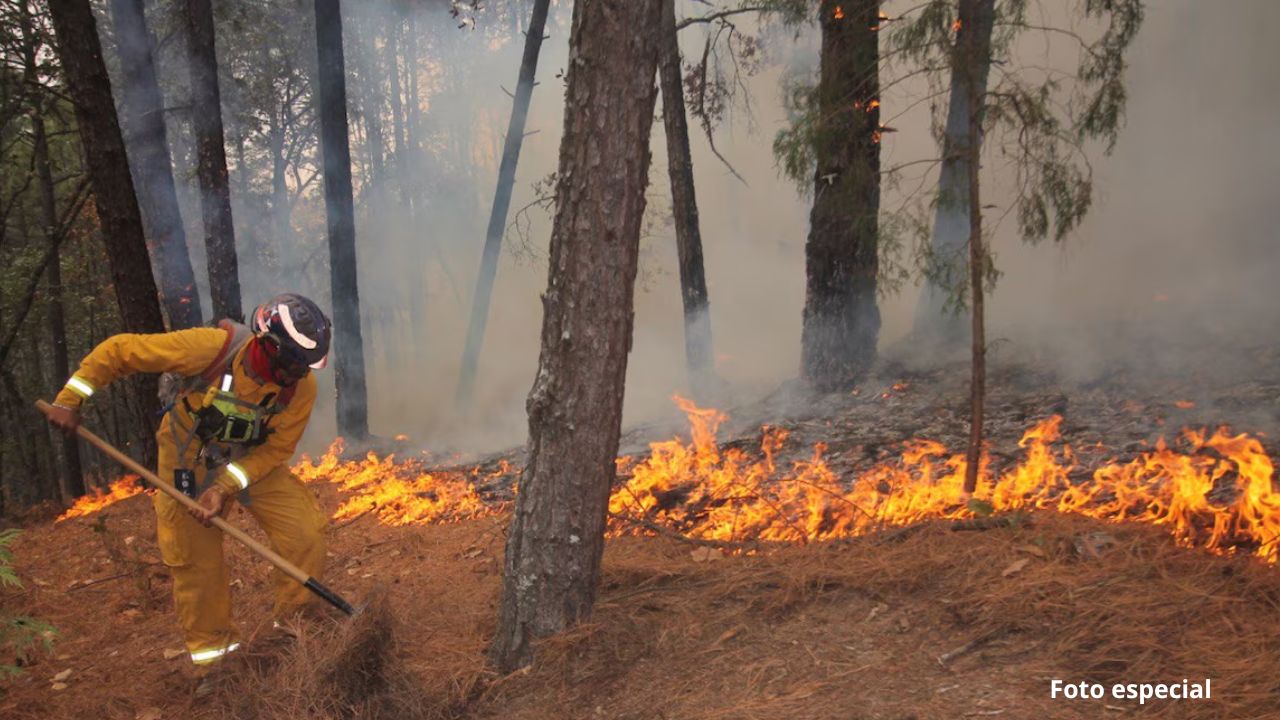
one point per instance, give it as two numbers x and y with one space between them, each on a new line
370 98
121 222
935 320
142 109
42 435
841 317
684 205
211 168
39 486
973 60
413 114
281 208
73 477
556 539
353 414
395 25
501 204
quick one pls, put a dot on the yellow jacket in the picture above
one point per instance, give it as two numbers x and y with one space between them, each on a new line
188 353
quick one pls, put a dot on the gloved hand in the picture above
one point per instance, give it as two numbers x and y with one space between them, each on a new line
64 418
211 503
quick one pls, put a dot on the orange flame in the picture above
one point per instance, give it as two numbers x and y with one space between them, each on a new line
1213 492
838 14
400 493
122 489
955 26
710 493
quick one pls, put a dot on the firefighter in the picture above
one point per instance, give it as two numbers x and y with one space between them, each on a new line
237 400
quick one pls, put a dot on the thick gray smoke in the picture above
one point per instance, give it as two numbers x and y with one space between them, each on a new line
1175 262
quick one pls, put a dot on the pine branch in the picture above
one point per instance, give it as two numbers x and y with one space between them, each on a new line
712 17
64 229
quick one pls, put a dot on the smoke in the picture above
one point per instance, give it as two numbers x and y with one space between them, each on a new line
1173 265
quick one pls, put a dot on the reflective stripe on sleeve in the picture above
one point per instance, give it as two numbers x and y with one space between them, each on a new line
207 656
240 475
81 388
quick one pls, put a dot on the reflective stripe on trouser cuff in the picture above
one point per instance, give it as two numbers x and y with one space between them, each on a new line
240 475
208 656
80 387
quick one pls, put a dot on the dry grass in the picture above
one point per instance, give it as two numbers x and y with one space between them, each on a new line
798 634
849 630
341 670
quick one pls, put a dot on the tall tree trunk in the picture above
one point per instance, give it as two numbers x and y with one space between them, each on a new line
37 486
211 153
41 436
501 204
973 60
73 477
841 318
281 208
371 93
556 539
353 413
142 109
81 54
395 25
413 114
684 205
934 319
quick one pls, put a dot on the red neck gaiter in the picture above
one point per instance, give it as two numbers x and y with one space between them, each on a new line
259 361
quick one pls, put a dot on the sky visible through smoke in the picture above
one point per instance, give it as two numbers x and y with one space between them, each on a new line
1177 254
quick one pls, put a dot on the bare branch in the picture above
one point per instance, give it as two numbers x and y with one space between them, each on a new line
712 17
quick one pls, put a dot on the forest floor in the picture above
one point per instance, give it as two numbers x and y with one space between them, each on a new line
931 623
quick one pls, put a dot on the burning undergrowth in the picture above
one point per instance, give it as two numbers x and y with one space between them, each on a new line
401 492
1210 490
121 489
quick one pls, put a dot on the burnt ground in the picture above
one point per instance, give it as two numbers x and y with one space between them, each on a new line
851 630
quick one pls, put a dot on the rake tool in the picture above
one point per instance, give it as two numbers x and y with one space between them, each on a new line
271 556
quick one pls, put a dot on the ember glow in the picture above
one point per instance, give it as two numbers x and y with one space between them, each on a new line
124 488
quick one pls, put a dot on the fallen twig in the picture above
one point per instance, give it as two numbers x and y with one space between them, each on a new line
946 658
674 535
900 533
992 522
352 520
91 583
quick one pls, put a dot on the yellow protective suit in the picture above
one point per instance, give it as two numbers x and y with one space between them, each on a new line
285 509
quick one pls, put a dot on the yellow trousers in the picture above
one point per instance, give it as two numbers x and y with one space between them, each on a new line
295 525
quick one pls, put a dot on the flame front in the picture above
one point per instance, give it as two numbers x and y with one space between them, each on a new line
122 489
1214 491
401 493
709 493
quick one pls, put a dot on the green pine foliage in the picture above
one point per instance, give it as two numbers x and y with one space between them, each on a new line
20 636
1039 124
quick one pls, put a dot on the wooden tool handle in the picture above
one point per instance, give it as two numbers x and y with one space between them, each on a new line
287 567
